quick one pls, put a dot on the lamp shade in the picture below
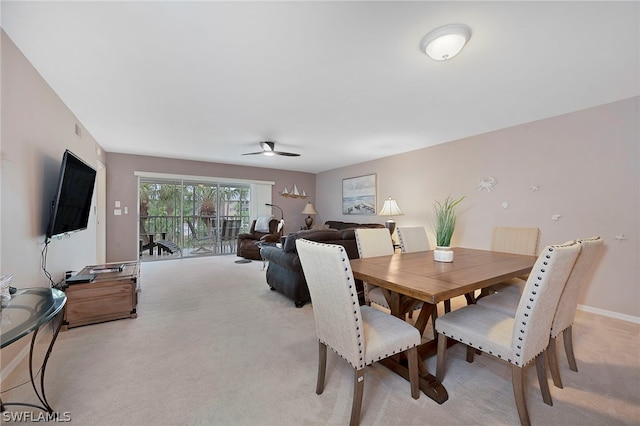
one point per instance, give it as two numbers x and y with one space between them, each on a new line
445 42
390 208
309 209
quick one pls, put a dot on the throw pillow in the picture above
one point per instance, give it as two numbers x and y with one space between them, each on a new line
262 224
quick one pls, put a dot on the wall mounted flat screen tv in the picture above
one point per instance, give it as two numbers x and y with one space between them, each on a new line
71 206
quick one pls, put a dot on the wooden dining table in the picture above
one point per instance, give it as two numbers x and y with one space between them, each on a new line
410 278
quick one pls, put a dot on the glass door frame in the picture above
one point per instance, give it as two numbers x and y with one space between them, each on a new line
247 205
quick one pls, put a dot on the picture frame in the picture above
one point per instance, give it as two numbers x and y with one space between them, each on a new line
359 195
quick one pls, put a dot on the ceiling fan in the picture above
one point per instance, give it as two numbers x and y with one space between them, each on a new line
269 149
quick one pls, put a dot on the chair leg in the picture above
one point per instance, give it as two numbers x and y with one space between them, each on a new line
412 357
365 286
484 292
567 336
518 393
358 390
442 349
470 353
541 369
322 367
552 360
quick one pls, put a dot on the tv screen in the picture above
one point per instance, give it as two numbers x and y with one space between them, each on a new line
71 206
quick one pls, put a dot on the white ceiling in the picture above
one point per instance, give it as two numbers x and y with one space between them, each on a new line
338 82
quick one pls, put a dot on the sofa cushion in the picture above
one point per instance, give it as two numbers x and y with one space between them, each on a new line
311 234
336 224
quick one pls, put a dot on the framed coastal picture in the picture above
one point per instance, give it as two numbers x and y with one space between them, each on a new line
359 195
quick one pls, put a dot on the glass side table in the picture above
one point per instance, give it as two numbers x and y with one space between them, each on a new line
27 311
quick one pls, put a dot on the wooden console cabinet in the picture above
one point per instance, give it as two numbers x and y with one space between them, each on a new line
110 296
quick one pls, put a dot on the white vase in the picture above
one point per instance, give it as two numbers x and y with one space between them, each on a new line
443 254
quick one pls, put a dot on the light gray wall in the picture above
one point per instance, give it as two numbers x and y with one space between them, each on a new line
122 235
585 163
36 129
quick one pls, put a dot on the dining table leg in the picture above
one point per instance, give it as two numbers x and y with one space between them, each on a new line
399 306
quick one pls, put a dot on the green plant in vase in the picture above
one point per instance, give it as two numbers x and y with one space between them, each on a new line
445 224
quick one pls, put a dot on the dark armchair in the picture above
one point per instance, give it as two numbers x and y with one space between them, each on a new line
248 243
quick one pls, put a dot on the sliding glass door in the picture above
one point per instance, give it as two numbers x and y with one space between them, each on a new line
191 218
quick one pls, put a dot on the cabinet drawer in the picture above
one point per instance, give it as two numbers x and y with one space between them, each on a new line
87 292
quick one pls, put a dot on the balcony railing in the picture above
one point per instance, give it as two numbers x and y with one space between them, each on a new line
178 230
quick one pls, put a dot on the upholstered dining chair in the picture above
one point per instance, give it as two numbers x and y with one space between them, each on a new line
412 239
511 239
507 302
374 242
520 339
361 335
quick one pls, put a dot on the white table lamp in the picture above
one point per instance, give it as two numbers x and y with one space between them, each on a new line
309 210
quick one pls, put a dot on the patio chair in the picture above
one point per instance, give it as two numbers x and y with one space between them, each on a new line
201 240
229 234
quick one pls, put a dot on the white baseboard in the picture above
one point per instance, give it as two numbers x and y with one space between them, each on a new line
610 314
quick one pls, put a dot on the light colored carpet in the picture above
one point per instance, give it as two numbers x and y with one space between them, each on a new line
213 345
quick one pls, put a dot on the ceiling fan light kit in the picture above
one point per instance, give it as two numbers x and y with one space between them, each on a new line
445 42
269 149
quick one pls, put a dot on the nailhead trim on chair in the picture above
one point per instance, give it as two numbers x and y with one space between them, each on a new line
517 362
354 301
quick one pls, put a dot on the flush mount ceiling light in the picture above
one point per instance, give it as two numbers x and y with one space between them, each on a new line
445 42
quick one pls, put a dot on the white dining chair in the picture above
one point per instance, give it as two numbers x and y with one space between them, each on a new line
361 335
412 239
517 240
507 302
520 339
374 242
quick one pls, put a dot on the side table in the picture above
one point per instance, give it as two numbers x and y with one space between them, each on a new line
113 294
27 311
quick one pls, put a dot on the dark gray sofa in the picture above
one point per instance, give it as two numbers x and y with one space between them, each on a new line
284 273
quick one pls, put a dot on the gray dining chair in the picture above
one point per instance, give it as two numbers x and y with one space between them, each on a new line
374 242
507 302
361 335
521 339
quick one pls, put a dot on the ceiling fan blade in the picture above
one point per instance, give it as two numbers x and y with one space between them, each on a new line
286 154
254 153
